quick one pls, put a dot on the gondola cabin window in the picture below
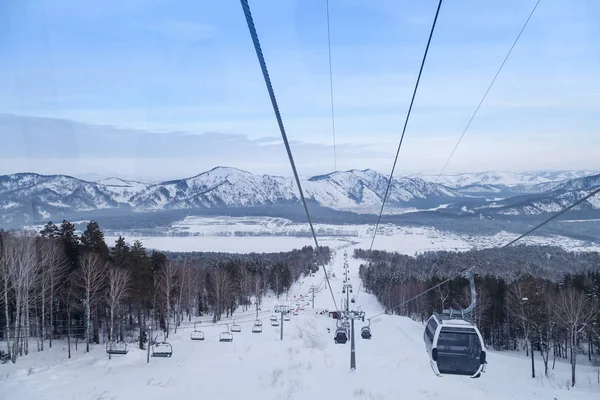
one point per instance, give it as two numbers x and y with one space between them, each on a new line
431 327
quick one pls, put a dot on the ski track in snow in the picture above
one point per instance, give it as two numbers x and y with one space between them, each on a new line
305 365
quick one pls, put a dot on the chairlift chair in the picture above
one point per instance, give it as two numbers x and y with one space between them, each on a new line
273 317
258 322
225 337
162 349
235 328
287 317
116 348
274 323
257 329
197 334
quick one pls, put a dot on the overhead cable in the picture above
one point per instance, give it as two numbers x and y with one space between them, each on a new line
265 72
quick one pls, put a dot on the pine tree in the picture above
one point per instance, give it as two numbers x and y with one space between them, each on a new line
50 231
157 261
142 283
92 240
120 253
70 242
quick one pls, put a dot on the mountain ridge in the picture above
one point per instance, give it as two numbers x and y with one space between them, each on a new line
505 178
27 197
31 196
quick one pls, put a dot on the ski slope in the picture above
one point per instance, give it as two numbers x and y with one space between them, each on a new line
305 365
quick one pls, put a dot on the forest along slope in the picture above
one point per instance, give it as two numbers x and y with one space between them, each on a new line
305 365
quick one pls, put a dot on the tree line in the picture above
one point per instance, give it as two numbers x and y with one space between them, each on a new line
57 284
539 299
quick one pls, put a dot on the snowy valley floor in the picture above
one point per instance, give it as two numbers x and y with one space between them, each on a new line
268 234
305 365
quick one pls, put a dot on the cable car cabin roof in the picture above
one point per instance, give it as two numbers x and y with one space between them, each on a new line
446 320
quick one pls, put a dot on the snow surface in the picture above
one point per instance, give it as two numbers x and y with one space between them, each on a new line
268 234
305 365
9 204
236 244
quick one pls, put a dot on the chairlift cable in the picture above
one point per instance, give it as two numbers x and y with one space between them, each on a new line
487 90
387 189
554 216
389 183
331 89
480 103
267 78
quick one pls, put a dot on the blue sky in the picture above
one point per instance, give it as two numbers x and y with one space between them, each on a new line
161 72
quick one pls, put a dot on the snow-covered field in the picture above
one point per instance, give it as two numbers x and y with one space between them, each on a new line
268 234
256 244
305 365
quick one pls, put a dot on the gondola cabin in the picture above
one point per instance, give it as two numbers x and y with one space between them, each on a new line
341 336
455 346
365 332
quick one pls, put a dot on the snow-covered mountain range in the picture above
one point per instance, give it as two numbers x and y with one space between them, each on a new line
552 197
28 197
503 178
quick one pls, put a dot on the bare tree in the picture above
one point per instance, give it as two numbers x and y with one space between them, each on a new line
517 299
246 284
118 284
220 286
20 259
5 242
574 311
528 301
190 285
168 274
276 283
443 292
548 326
53 267
67 296
180 275
484 303
92 275
258 288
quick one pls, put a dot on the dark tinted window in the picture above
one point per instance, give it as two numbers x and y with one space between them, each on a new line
463 341
430 329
